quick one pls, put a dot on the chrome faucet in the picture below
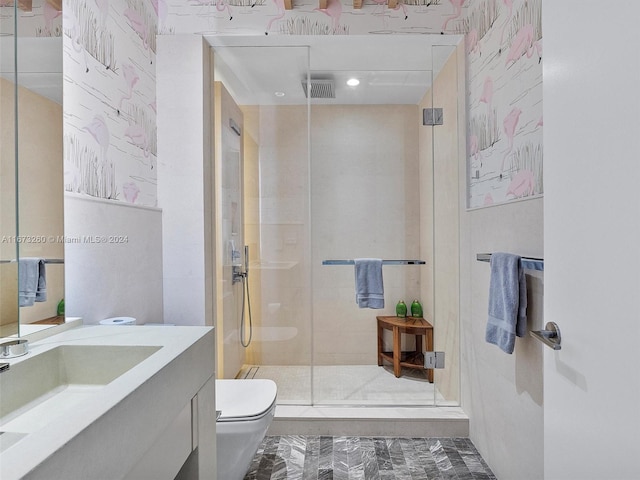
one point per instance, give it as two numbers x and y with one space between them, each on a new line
14 348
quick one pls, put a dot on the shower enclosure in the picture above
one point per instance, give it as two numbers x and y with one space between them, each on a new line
314 169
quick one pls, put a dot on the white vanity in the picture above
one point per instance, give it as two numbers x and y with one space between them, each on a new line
102 402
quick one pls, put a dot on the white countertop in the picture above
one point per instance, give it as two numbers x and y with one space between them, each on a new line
20 458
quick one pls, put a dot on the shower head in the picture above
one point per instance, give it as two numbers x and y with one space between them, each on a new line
320 88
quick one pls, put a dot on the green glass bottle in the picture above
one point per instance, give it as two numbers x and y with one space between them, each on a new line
416 309
60 310
401 309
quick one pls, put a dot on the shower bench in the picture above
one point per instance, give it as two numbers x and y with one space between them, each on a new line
410 326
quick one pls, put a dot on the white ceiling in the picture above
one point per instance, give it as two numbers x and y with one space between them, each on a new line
392 69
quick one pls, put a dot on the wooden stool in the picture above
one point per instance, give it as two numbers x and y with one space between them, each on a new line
411 326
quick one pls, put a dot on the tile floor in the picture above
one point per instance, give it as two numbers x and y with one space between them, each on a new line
295 457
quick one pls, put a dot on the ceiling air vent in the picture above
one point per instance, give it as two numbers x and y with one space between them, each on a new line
320 88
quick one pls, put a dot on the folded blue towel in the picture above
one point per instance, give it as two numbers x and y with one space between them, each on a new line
507 301
32 281
369 288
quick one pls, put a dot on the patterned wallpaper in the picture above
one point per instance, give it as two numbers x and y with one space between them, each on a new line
110 132
110 107
504 60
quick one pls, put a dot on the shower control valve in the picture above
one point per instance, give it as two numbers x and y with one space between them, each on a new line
237 274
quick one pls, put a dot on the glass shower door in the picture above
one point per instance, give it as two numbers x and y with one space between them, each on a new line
449 152
367 192
267 83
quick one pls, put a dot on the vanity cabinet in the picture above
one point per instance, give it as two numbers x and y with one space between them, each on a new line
143 422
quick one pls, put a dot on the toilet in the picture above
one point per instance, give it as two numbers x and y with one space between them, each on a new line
246 409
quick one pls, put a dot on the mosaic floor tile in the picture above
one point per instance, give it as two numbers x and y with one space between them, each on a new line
296 457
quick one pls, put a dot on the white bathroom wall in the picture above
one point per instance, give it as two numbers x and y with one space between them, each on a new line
113 260
181 177
501 393
110 153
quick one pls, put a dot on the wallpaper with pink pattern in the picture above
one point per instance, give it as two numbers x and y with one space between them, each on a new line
110 132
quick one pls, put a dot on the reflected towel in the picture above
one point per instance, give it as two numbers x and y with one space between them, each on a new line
507 301
32 281
369 288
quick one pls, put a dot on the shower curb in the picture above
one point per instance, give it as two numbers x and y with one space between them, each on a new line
370 421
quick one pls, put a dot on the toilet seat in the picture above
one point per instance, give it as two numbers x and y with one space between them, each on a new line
244 400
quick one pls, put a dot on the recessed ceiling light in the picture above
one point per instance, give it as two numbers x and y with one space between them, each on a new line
279 94
353 82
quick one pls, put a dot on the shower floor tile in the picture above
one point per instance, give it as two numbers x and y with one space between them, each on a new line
348 385
367 458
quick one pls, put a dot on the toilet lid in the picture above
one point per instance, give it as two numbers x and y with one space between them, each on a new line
244 399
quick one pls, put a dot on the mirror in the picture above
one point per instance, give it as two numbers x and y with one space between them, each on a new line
8 191
34 146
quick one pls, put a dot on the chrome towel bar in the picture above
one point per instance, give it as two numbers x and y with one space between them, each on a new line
46 260
528 263
384 262
550 336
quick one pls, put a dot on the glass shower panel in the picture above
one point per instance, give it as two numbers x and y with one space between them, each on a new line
267 83
365 203
449 148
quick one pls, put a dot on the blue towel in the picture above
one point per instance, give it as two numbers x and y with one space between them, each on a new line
369 289
32 281
507 301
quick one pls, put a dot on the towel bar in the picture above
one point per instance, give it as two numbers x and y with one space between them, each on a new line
528 263
46 260
384 262
550 336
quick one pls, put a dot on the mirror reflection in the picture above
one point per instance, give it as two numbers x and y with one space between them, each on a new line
32 288
8 226
40 183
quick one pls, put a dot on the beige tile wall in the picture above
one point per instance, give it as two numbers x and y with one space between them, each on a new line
365 191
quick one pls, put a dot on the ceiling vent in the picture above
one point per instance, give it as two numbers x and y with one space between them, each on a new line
320 88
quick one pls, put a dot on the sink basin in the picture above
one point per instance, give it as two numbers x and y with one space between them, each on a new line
45 386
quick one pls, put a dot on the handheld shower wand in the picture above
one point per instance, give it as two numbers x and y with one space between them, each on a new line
246 299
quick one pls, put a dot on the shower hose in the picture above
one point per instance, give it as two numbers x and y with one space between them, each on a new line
246 300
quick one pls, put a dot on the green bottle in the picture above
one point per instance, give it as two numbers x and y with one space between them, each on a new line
401 309
416 309
60 311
